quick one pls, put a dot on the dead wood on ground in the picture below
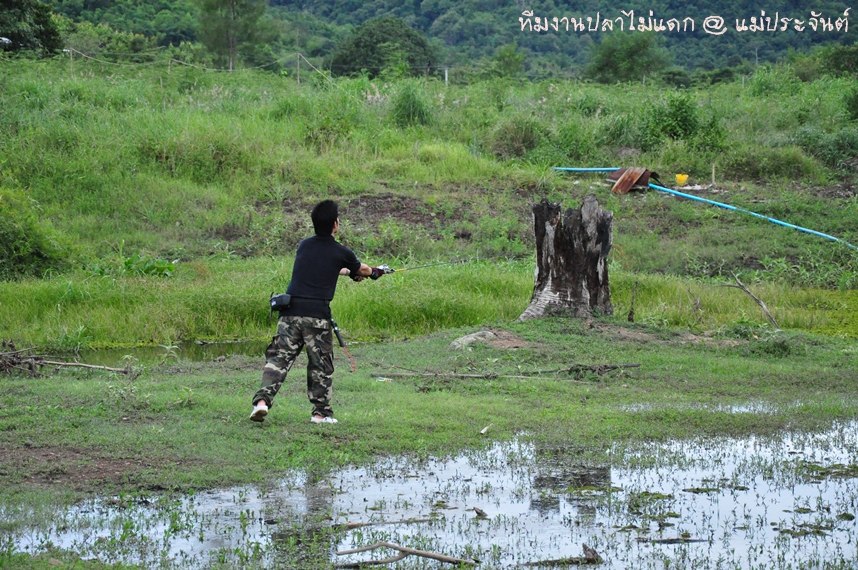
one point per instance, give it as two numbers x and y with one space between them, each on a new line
403 552
26 360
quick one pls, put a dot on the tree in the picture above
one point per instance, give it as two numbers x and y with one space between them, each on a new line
27 25
380 44
842 60
508 61
627 57
228 26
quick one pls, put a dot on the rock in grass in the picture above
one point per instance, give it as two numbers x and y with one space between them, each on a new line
470 339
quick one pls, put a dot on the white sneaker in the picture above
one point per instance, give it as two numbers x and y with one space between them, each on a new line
316 419
260 410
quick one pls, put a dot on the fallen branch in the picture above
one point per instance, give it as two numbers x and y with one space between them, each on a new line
590 557
17 360
82 365
354 525
676 540
486 376
743 287
403 552
2 354
574 369
599 368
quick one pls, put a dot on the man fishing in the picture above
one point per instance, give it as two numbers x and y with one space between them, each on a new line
305 315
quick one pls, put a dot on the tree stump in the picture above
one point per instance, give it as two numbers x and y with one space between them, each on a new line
571 260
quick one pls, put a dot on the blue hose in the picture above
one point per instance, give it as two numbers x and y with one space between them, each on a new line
570 169
718 204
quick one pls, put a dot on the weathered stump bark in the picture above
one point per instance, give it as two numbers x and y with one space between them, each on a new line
571 260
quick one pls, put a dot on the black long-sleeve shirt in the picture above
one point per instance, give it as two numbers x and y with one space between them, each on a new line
315 273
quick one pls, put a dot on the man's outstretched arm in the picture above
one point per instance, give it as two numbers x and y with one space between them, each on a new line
364 271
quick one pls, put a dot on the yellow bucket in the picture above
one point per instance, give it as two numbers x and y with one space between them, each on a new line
681 179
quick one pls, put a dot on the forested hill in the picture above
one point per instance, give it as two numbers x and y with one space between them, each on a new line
466 32
473 29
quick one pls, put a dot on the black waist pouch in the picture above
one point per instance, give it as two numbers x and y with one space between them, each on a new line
280 302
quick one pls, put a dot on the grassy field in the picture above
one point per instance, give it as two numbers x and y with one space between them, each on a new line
227 300
167 201
81 432
177 163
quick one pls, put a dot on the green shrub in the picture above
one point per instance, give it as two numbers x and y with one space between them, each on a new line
764 163
677 118
834 149
332 122
715 76
769 81
500 236
29 246
628 130
410 108
135 264
573 140
711 136
842 60
291 108
682 156
851 101
201 153
773 345
677 77
515 137
587 104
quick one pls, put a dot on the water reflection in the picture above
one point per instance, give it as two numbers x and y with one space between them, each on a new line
305 541
559 473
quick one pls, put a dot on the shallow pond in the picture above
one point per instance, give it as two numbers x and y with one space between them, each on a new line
184 351
716 503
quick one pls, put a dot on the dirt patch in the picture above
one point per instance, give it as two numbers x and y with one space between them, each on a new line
631 335
230 232
371 208
506 340
838 191
75 468
406 209
624 334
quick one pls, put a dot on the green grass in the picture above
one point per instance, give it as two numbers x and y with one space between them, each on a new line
132 434
178 163
227 300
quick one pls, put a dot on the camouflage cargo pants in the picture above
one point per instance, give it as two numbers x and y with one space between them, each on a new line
293 334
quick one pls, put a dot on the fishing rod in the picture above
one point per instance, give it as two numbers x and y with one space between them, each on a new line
386 269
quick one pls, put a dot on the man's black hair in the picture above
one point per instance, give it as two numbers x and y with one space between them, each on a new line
324 215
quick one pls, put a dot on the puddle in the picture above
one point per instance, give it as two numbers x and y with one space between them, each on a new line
745 408
188 351
715 503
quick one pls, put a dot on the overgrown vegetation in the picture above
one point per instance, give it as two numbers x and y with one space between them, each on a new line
29 246
153 170
226 300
